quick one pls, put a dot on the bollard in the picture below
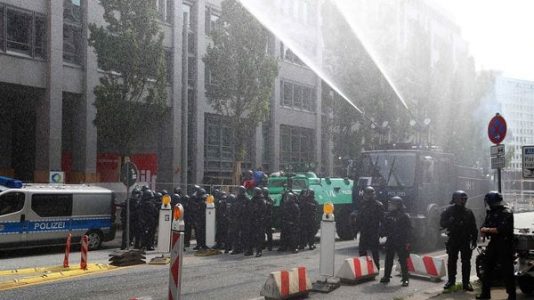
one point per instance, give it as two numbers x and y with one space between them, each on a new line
164 225
67 252
177 250
210 221
327 251
85 248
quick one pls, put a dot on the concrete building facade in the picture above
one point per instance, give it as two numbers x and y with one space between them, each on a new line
515 97
48 74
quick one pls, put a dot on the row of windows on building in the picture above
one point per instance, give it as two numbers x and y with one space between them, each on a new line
297 96
25 32
297 145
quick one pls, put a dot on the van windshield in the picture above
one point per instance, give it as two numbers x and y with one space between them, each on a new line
389 169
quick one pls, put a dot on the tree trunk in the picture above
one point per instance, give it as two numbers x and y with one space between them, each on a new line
237 172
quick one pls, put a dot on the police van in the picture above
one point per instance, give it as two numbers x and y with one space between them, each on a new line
34 215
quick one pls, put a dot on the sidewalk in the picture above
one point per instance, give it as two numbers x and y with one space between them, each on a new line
497 293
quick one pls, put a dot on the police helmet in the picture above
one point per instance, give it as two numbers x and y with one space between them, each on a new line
369 192
231 197
196 187
291 196
177 190
148 195
312 193
216 192
187 197
459 197
396 203
223 194
241 190
144 188
265 192
257 191
164 192
493 198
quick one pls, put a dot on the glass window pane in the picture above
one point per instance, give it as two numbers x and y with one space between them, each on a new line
40 37
19 30
288 94
297 96
191 43
72 39
11 203
2 28
52 205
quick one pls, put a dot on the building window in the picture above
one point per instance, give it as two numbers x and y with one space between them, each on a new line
164 8
297 96
19 31
72 32
187 16
40 37
211 19
191 43
169 65
297 146
2 27
191 71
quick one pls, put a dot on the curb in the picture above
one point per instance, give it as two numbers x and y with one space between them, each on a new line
48 274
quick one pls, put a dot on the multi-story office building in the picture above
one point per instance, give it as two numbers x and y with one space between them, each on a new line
515 97
48 74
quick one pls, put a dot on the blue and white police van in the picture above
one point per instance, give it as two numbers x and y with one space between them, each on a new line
35 215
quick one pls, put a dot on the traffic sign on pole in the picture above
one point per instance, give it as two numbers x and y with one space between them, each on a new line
528 161
497 129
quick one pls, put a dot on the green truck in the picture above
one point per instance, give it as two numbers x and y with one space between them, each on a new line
335 190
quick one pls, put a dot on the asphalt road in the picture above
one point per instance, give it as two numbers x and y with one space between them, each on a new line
216 277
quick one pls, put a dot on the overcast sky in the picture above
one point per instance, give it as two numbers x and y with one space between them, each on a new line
500 33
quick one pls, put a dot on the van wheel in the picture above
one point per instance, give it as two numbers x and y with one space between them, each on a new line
94 240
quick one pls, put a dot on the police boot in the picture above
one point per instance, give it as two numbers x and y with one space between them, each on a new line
258 254
468 287
385 279
451 283
405 282
248 253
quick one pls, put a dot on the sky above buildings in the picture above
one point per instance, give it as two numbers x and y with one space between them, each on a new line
500 33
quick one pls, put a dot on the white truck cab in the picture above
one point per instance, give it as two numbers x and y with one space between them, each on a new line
36 215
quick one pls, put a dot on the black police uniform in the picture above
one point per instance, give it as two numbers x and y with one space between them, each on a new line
257 224
269 204
232 216
188 221
134 202
398 230
148 214
291 218
200 220
240 222
370 217
461 227
500 249
308 222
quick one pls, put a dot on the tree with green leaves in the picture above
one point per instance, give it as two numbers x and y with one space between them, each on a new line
131 96
242 73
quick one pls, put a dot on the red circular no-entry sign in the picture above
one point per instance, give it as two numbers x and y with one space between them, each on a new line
497 129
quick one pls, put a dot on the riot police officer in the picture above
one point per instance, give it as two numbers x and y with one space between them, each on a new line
240 220
308 222
232 217
199 219
499 228
290 219
147 215
397 228
221 220
134 202
257 223
188 220
368 222
284 219
461 227
269 204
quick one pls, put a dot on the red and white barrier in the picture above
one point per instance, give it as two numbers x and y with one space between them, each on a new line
175 273
67 252
286 284
85 248
357 269
426 266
